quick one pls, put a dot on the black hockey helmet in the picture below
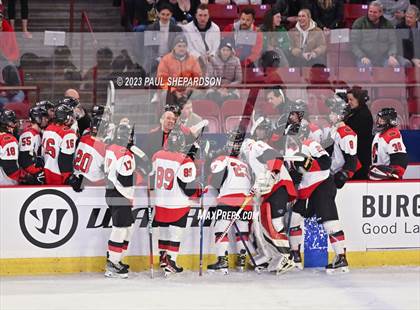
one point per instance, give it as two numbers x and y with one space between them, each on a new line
63 114
69 101
99 126
300 131
299 107
235 138
46 104
123 134
265 124
98 110
389 116
176 141
7 120
338 106
37 113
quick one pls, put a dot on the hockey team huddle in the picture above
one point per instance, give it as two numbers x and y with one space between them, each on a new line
282 171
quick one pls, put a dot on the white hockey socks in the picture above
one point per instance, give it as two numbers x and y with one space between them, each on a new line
336 236
129 233
116 243
295 231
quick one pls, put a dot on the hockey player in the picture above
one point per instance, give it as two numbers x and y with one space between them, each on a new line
389 157
9 170
30 159
275 187
58 146
50 107
89 156
343 142
230 176
119 195
174 182
316 195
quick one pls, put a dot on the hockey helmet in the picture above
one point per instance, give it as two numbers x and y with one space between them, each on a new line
46 104
300 131
235 138
386 118
123 134
265 127
37 113
7 121
99 126
339 107
64 114
299 108
176 141
69 101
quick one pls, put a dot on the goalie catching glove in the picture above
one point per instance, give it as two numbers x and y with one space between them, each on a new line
264 183
306 164
382 172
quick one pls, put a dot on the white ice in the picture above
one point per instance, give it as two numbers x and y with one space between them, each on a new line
373 288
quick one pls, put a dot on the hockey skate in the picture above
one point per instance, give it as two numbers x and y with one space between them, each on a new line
162 259
297 259
115 270
171 267
240 264
281 264
262 263
339 264
221 265
126 266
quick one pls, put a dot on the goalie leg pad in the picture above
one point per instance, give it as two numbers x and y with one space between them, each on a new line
277 238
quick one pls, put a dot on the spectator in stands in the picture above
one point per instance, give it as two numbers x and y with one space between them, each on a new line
248 40
178 63
167 29
10 77
361 121
308 45
101 70
140 13
394 10
408 34
278 99
276 38
188 118
293 8
8 44
328 14
376 47
183 10
64 64
227 66
203 36
24 12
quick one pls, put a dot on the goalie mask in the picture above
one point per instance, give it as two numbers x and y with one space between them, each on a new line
385 119
176 141
263 129
8 121
99 127
340 110
234 142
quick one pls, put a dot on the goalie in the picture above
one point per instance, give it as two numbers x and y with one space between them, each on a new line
389 157
275 188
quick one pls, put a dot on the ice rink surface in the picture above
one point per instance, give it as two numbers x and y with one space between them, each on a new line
373 288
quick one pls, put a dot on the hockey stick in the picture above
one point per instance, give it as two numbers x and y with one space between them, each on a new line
200 272
244 243
149 225
237 214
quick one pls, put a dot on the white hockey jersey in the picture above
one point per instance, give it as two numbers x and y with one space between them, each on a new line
8 151
237 184
345 140
30 141
89 159
167 168
119 160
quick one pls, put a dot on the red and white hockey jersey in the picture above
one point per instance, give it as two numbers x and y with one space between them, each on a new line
57 139
89 159
385 144
315 176
30 141
237 183
168 167
252 151
120 161
8 152
315 133
345 140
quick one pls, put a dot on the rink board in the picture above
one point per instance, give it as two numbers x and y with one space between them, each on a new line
50 230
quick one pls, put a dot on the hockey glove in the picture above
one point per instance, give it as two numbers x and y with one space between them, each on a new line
340 178
192 152
306 163
296 176
75 182
39 162
382 172
264 183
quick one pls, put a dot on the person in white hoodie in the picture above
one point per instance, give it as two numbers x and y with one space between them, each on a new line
203 36
308 45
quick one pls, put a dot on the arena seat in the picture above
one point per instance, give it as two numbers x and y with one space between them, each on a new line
223 14
233 110
354 75
415 122
413 77
389 76
260 10
290 75
353 12
413 105
210 110
318 75
400 108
